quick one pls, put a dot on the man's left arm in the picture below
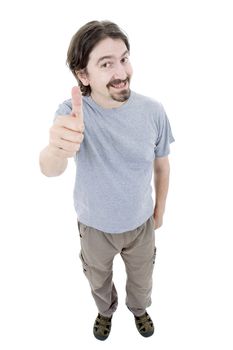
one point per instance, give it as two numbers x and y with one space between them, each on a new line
161 182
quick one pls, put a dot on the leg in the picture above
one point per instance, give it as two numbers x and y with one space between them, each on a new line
139 259
97 258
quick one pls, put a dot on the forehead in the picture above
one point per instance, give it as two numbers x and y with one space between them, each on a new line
107 47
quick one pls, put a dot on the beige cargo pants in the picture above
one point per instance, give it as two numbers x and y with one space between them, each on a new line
137 249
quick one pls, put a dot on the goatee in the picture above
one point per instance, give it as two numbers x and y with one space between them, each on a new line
122 95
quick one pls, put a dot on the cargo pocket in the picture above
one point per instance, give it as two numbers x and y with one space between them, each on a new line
154 256
84 264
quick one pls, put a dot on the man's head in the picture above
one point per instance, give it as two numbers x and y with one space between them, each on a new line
98 56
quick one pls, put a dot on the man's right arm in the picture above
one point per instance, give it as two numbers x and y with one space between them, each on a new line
65 138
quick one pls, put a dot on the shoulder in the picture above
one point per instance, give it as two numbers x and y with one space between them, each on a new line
64 108
149 105
146 101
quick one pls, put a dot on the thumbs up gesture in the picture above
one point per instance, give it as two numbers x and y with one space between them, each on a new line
66 134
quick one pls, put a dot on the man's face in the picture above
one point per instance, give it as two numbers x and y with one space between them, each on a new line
109 72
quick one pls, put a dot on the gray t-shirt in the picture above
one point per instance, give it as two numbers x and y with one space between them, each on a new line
114 165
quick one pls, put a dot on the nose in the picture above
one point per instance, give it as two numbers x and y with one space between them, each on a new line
120 71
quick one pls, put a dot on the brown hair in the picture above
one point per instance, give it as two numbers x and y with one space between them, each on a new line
83 42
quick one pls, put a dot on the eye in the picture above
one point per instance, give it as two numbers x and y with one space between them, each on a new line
125 59
106 65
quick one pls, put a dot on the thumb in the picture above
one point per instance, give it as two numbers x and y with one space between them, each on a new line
77 108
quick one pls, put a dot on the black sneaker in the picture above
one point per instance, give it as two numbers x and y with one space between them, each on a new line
144 325
102 327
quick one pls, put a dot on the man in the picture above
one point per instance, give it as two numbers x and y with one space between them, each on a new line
126 136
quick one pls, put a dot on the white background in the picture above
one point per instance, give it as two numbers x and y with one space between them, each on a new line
181 52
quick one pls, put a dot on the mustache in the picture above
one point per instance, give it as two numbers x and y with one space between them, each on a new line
117 81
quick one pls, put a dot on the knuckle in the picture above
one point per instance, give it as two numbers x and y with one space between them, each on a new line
82 127
71 154
80 137
72 147
68 147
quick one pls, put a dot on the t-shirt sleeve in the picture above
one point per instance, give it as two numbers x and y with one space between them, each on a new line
165 137
64 108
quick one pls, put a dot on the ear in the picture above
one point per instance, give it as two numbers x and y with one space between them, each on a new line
83 76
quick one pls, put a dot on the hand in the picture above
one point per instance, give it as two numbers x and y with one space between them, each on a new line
66 134
158 218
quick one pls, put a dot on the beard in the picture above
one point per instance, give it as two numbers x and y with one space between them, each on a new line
123 94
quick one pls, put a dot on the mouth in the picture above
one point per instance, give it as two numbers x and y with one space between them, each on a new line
119 84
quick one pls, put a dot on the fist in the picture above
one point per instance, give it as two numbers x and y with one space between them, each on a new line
66 134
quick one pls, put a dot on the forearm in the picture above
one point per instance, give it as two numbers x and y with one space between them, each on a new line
50 164
161 182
